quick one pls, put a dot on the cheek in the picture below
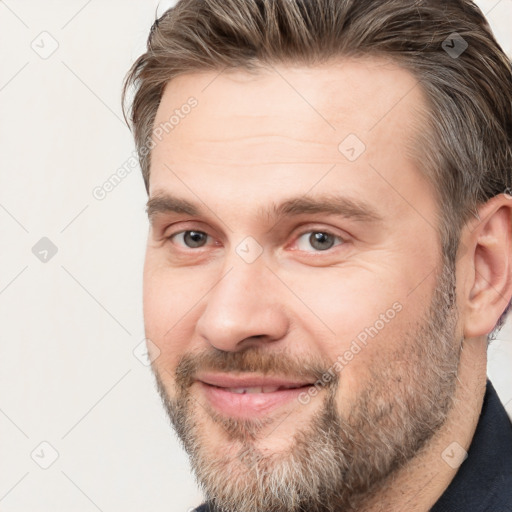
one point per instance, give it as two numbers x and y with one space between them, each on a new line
373 335
170 312
348 299
364 315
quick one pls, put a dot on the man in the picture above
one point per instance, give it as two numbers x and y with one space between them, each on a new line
329 250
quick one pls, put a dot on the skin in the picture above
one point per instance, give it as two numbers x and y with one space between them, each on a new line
254 139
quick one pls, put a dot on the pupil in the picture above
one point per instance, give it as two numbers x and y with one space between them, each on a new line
194 238
321 241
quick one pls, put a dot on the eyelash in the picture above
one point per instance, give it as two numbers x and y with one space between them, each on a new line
339 238
324 232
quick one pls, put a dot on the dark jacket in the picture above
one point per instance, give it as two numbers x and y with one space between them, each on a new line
483 482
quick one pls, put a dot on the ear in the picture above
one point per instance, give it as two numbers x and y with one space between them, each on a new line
487 263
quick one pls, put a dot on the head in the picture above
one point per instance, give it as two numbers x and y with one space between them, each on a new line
328 225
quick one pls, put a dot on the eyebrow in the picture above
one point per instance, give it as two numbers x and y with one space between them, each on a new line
327 204
163 203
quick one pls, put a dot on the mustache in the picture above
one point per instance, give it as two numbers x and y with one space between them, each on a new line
252 360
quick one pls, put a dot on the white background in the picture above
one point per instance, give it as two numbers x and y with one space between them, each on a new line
68 375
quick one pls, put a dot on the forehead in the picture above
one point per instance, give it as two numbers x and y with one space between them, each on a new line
285 126
365 96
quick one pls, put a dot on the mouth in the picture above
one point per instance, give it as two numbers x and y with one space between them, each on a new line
249 396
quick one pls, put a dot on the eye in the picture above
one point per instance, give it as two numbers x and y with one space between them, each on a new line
190 239
318 240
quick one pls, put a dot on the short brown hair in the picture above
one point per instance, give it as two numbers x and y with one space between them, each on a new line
466 147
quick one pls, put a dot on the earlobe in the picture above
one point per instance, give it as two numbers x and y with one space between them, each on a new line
490 266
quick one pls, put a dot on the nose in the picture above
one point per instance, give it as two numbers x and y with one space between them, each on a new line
244 309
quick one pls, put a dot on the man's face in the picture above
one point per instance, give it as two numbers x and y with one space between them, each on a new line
299 247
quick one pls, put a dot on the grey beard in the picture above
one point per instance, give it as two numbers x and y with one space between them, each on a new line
333 463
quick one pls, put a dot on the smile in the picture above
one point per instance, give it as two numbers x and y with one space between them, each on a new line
250 396
259 389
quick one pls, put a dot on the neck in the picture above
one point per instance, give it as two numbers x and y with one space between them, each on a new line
418 485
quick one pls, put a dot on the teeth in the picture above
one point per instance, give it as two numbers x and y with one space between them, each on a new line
258 389
252 390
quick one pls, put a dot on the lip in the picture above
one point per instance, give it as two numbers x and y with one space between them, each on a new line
226 380
215 387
